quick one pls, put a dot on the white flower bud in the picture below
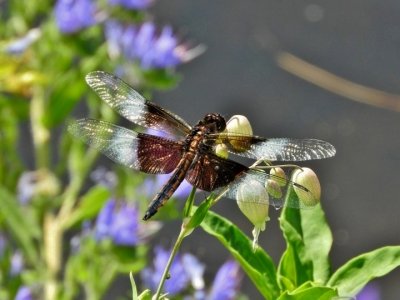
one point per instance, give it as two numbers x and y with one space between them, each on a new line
222 151
273 188
253 201
239 124
308 179
278 172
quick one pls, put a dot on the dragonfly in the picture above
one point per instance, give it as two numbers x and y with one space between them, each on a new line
187 152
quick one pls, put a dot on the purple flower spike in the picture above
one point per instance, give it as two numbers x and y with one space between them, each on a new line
152 48
118 223
369 292
74 15
125 226
24 293
226 282
179 278
132 4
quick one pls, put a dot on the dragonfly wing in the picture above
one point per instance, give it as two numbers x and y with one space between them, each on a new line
274 149
138 151
133 106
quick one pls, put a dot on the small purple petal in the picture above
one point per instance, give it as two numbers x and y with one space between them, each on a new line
226 282
18 46
179 279
105 219
104 177
369 292
195 270
118 222
26 187
74 15
17 263
132 4
125 226
24 293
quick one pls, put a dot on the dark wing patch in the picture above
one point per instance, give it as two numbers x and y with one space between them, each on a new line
132 106
210 172
274 149
142 152
158 155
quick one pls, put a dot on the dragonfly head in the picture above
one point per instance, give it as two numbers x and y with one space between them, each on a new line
215 122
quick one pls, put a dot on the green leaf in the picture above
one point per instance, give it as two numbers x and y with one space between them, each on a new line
257 264
200 213
22 227
145 295
308 292
89 206
133 285
309 240
356 273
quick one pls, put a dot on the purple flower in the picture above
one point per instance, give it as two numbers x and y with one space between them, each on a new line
18 46
369 292
132 4
104 177
153 185
24 293
179 277
152 48
17 263
74 15
26 187
226 282
118 221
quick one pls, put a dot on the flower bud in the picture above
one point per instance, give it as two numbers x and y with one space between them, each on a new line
239 124
278 172
309 180
273 188
253 201
222 151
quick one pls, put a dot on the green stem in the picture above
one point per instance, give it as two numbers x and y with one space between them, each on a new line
77 180
40 133
182 235
52 254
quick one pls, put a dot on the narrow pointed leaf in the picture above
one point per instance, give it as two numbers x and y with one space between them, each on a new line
89 205
314 293
356 273
23 229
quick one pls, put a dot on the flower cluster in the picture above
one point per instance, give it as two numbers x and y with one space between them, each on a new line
187 271
119 222
144 43
152 48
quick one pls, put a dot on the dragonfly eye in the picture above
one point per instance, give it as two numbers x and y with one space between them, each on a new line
215 122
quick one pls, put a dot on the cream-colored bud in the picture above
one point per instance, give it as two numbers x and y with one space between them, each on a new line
278 172
240 125
222 151
273 188
253 201
308 179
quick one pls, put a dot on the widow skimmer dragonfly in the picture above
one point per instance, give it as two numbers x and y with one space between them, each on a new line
193 156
